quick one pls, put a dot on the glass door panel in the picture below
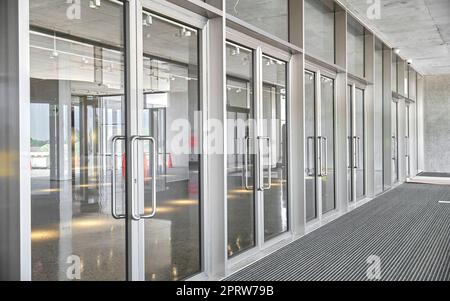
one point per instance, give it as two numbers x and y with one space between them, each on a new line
310 146
360 145
350 140
169 152
408 140
395 174
78 124
241 157
327 145
274 107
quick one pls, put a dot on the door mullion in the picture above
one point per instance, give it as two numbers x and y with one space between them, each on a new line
133 227
318 145
259 197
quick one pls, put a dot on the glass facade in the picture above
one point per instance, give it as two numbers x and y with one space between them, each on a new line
118 124
271 16
355 48
320 29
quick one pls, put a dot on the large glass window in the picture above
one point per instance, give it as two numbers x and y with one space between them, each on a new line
77 108
394 73
412 84
356 47
378 117
268 15
320 29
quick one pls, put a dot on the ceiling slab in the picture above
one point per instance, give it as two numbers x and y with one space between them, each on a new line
419 28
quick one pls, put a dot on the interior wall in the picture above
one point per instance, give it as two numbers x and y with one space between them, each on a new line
437 123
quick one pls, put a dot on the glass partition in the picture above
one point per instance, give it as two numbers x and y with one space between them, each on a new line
355 47
269 15
320 29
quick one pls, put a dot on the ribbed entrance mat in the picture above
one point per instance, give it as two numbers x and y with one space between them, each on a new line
407 229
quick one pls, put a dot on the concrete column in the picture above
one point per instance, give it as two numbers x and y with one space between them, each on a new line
15 201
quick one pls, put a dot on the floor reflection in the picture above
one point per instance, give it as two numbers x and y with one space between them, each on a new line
69 218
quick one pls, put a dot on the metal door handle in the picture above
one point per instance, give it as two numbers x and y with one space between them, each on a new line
137 216
358 142
394 145
309 170
319 153
246 155
262 184
113 179
325 141
355 154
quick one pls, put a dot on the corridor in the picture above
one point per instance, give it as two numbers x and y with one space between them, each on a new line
407 228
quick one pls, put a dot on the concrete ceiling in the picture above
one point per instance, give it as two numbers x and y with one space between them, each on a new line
419 28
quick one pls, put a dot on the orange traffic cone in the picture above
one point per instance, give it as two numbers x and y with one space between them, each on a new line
170 163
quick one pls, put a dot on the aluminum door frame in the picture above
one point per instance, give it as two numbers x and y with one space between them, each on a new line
361 86
319 72
260 49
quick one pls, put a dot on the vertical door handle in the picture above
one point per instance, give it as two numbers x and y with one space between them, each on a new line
394 150
325 159
320 154
358 142
113 179
135 215
309 170
262 183
355 153
246 155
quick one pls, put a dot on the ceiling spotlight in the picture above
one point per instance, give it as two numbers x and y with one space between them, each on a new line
147 20
183 32
409 61
236 51
95 3
396 50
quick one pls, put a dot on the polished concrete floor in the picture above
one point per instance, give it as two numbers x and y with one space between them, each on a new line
402 235
74 219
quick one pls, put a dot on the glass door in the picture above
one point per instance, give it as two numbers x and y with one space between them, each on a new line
356 175
168 150
257 144
319 144
275 156
395 163
408 139
79 195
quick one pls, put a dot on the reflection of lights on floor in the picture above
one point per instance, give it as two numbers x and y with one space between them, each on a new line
183 202
160 210
175 273
52 190
241 191
90 222
230 251
43 235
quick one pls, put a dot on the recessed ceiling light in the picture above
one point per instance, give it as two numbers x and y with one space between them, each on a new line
396 50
